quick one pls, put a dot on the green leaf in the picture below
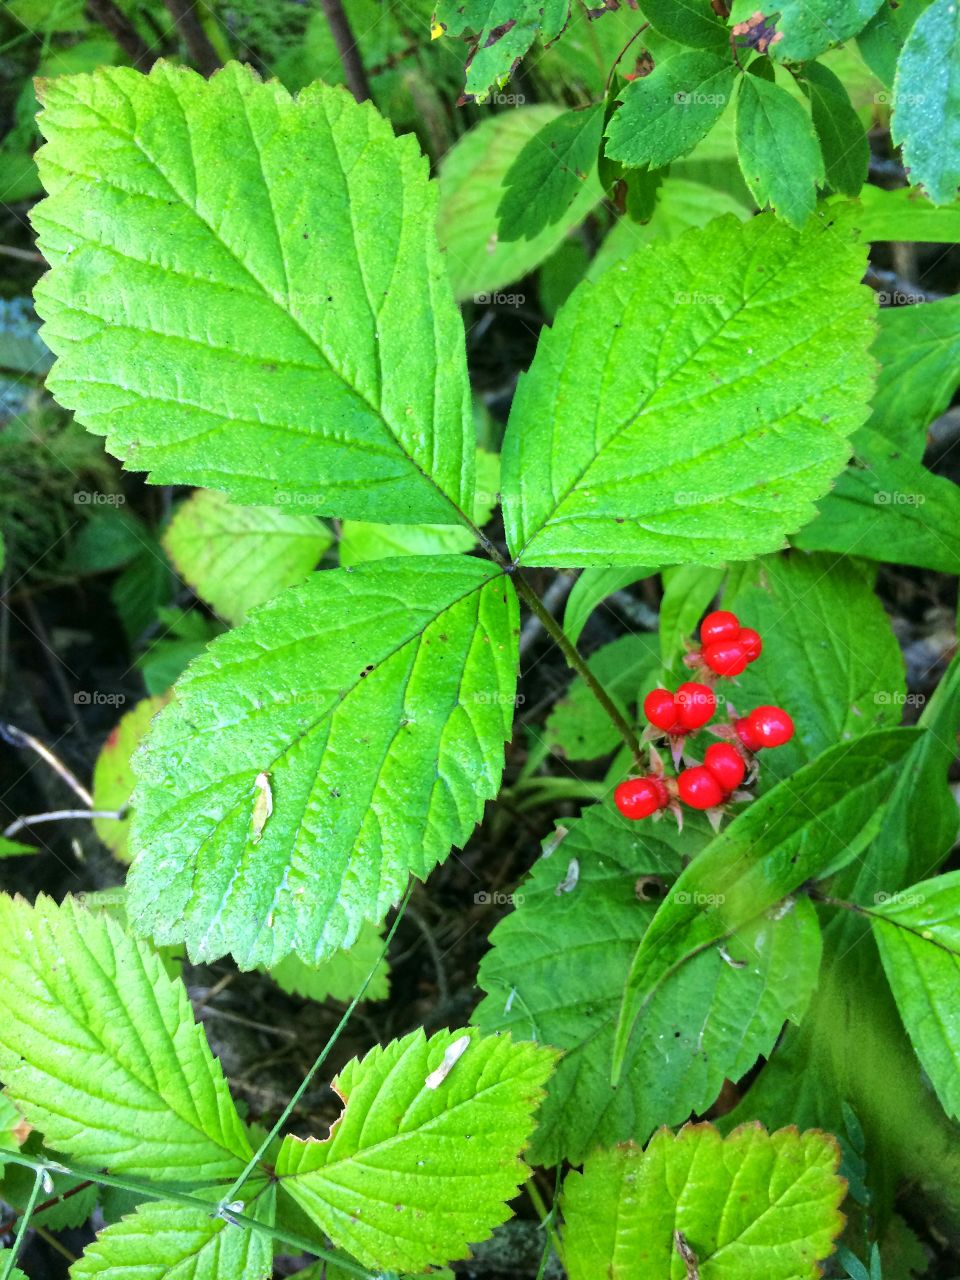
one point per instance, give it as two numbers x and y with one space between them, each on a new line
712 444
687 592
578 728
546 177
99 1049
340 976
183 637
918 935
237 557
472 184
113 778
14 1273
425 1155
296 339
144 587
374 703
503 29
920 820
693 22
361 540
919 350
810 27
889 508
843 142
886 505
806 827
665 114
166 1241
589 591
753 1205
906 214
13 848
830 655
778 149
881 40
560 960
926 96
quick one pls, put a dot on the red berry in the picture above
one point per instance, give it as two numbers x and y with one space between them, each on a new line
771 726
661 710
746 734
719 625
699 788
751 641
640 797
695 704
726 764
726 657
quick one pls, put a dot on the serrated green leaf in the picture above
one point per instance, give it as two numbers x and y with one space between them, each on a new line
918 935
295 335
751 1206
99 1049
79 1197
472 179
886 505
693 22
591 588
830 656
545 179
810 27
578 728
341 975
712 444
778 149
418 1191
376 701
813 823
665 114
843 141
113 777
237 557
926 102
559 961
162 1240
503 29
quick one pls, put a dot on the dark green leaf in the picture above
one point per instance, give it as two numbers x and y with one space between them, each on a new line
843 141
549 173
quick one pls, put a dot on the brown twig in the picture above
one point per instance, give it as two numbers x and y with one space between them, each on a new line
116 22
343 38
199 47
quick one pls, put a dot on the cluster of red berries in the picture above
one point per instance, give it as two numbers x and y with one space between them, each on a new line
726 648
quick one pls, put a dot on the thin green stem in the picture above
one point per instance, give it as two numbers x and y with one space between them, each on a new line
159 1191
288 1110
574 659
14 1252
